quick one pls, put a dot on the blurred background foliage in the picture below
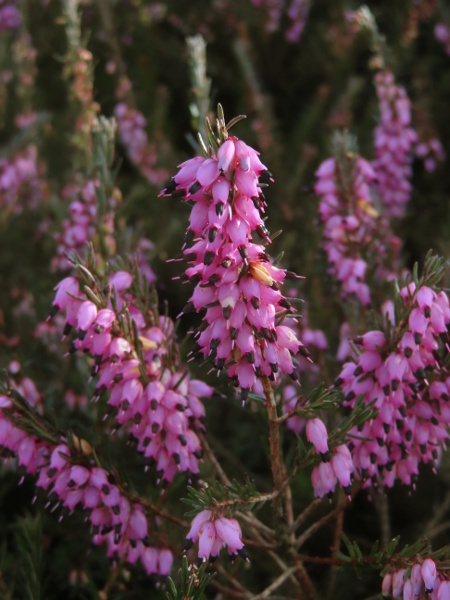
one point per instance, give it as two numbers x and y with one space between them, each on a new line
295 95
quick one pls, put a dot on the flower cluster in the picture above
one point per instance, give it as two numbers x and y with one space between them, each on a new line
131 127
442 34
394 144
159 403
83 224
404 376
19 180
330 471
422 578
431 152
237 287
352 232
297 13
213 532
72 479
10 17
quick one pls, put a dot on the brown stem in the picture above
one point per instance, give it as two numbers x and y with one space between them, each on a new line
274 585
234 582
282 487
248 517
306 513
212 459
276 462
336 544
320 523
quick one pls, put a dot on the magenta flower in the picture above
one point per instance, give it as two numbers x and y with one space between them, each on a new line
237 288
423 579
316 433
162 411
406 379
213 532
394 144
114 519
131 128
429 573
355 234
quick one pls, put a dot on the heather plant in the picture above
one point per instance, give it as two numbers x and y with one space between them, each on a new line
224 340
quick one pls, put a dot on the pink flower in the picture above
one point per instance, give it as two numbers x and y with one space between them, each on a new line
237 287
410 425
212 532
429 573
316 433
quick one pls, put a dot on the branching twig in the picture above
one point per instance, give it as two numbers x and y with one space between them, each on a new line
306 513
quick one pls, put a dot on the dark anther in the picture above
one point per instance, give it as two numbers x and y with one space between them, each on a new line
243 252
265 176
212 234
226 311
195 187
171 187
67 329
180 193
219 209
255 302
209 257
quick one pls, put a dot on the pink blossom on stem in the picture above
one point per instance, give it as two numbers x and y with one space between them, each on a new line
73 480
394 144
83 223
213 532
131 127
316 433
163 410
20 183
355 234
406 380
237 287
